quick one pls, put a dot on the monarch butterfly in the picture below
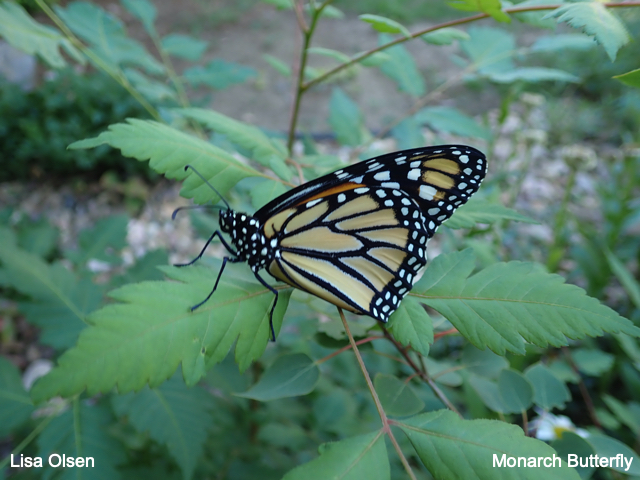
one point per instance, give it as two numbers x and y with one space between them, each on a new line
355 237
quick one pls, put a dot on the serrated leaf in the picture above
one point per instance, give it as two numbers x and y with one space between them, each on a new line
560 43
144 11
247 136
107 234
535 18
327 52
15 404
549 391
107 37
145 268
508 304
451 447
355 458
280 168
411 325
184 46
591 361
397 397
451 120
515 390
402 68
60 302
631 78
219 74
153 90
480 211
82 431
38 237
169 151
482 362
596 20
445 36
345 118
533 74
384 25
265 191
490 7
622 413
490 49
27 35
289 376
151 330
173 415
605 446
278 65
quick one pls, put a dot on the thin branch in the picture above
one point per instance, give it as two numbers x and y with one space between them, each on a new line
347 347
451 331
302 24
450 23
383 416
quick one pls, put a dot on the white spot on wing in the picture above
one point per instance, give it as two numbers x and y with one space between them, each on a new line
427 192
382 176
414 174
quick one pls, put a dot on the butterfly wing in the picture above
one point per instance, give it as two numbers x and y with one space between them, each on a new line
357 237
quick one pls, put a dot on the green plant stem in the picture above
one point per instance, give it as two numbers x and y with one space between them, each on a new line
347 347
451 23
118 75
559 241
422 373
29 438
307 33
525 423
383 416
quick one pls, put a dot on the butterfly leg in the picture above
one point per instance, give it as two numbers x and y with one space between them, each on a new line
216 233
273 307
224 264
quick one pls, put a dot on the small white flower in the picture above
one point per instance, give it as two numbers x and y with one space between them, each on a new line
548 426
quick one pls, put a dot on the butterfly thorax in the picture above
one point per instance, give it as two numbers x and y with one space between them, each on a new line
248 238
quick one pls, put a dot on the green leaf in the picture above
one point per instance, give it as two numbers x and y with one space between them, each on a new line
490 49
219 74
345 118
631 78
375 60
145 268
107 37
508 304
144 11
24 33
562 43
169 151
445 36
263 148
623 413
280 4
60 302
535 18
384 25
408 134
82 431
173 415
624 276
151 330
411 325
184 46
533 74
289 376
605 446
329 11
443 372
355 458
576 446
489 393
515 390
278 65
490 7
397 397
451 447
482 362
596 20
591 361
38 237
402 68
98 242
265 191
153 90
284 436
480 211
451 120
15 405
549 391
327 52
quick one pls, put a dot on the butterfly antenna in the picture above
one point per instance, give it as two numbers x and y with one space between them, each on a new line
193 207
207 182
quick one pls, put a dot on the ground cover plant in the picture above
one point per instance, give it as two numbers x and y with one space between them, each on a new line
529 308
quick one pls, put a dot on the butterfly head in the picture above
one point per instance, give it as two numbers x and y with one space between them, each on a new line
246 235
